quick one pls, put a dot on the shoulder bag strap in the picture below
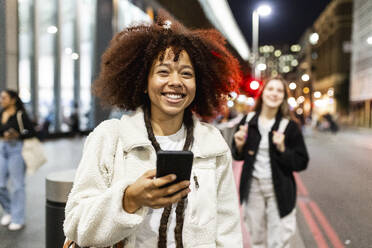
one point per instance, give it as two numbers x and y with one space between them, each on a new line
20 122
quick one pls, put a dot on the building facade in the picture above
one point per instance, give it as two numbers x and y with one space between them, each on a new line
50 53
361 64
330 58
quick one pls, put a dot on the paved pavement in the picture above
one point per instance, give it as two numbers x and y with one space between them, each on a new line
63 154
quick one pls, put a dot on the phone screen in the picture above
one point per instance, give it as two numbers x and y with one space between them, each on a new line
174 162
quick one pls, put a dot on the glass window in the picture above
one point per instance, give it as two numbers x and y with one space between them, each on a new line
47 29
25 51
69 56
129 14
87 31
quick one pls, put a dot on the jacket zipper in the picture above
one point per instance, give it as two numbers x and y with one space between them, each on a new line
196 181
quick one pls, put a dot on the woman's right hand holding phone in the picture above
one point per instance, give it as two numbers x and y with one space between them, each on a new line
240 137
147 191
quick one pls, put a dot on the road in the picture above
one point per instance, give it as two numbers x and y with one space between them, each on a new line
336 192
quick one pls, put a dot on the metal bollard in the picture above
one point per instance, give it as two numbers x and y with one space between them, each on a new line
58 186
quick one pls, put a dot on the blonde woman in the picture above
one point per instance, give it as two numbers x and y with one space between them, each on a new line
267 186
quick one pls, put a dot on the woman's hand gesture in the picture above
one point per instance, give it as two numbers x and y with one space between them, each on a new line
278 140
147 191
240 137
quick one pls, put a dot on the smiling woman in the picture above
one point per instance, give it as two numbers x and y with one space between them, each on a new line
171 85
168 75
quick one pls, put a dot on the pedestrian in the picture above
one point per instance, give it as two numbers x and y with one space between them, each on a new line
168 75
267 185
74 120
12 166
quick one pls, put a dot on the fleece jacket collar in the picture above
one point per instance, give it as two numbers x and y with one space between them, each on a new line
208 141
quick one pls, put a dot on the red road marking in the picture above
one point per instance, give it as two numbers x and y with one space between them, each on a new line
301 187
332 235
318 236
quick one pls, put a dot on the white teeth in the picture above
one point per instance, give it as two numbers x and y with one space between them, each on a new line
173 96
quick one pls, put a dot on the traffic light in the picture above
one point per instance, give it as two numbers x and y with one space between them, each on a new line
251 86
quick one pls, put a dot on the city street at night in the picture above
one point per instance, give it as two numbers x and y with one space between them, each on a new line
338 181
144 123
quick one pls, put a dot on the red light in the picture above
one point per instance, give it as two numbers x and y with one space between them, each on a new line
254 85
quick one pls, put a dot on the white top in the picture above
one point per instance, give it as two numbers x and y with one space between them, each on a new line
148 233
262 167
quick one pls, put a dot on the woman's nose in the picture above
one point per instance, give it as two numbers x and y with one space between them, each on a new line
175 80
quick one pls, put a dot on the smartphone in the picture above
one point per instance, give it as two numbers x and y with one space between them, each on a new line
174 162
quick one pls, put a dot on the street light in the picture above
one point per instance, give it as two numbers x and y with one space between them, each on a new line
263 10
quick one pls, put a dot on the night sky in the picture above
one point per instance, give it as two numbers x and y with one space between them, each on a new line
286 23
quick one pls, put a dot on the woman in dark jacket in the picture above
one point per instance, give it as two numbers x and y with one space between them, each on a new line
12 166
267 185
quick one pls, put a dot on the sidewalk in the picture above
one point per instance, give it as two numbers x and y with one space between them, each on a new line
63 154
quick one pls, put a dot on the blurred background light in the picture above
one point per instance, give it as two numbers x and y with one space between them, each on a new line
261 66
330 92
292 86
314 38
317 94
292 102
241 98
75 56
250 101
254 85
52 29
305 77
233 95
369 40
300 99
299 111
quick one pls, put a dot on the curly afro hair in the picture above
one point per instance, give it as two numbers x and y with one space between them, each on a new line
127 61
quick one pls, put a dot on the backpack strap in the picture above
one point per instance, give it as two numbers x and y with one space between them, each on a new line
249 117
283 125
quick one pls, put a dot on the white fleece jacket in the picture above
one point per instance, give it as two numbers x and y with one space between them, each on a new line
116 153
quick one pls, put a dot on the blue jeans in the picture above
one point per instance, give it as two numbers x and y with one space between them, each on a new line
12 167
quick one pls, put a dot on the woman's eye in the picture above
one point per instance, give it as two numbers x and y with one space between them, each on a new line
163 72
188 74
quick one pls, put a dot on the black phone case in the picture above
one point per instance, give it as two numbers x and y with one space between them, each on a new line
174 162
